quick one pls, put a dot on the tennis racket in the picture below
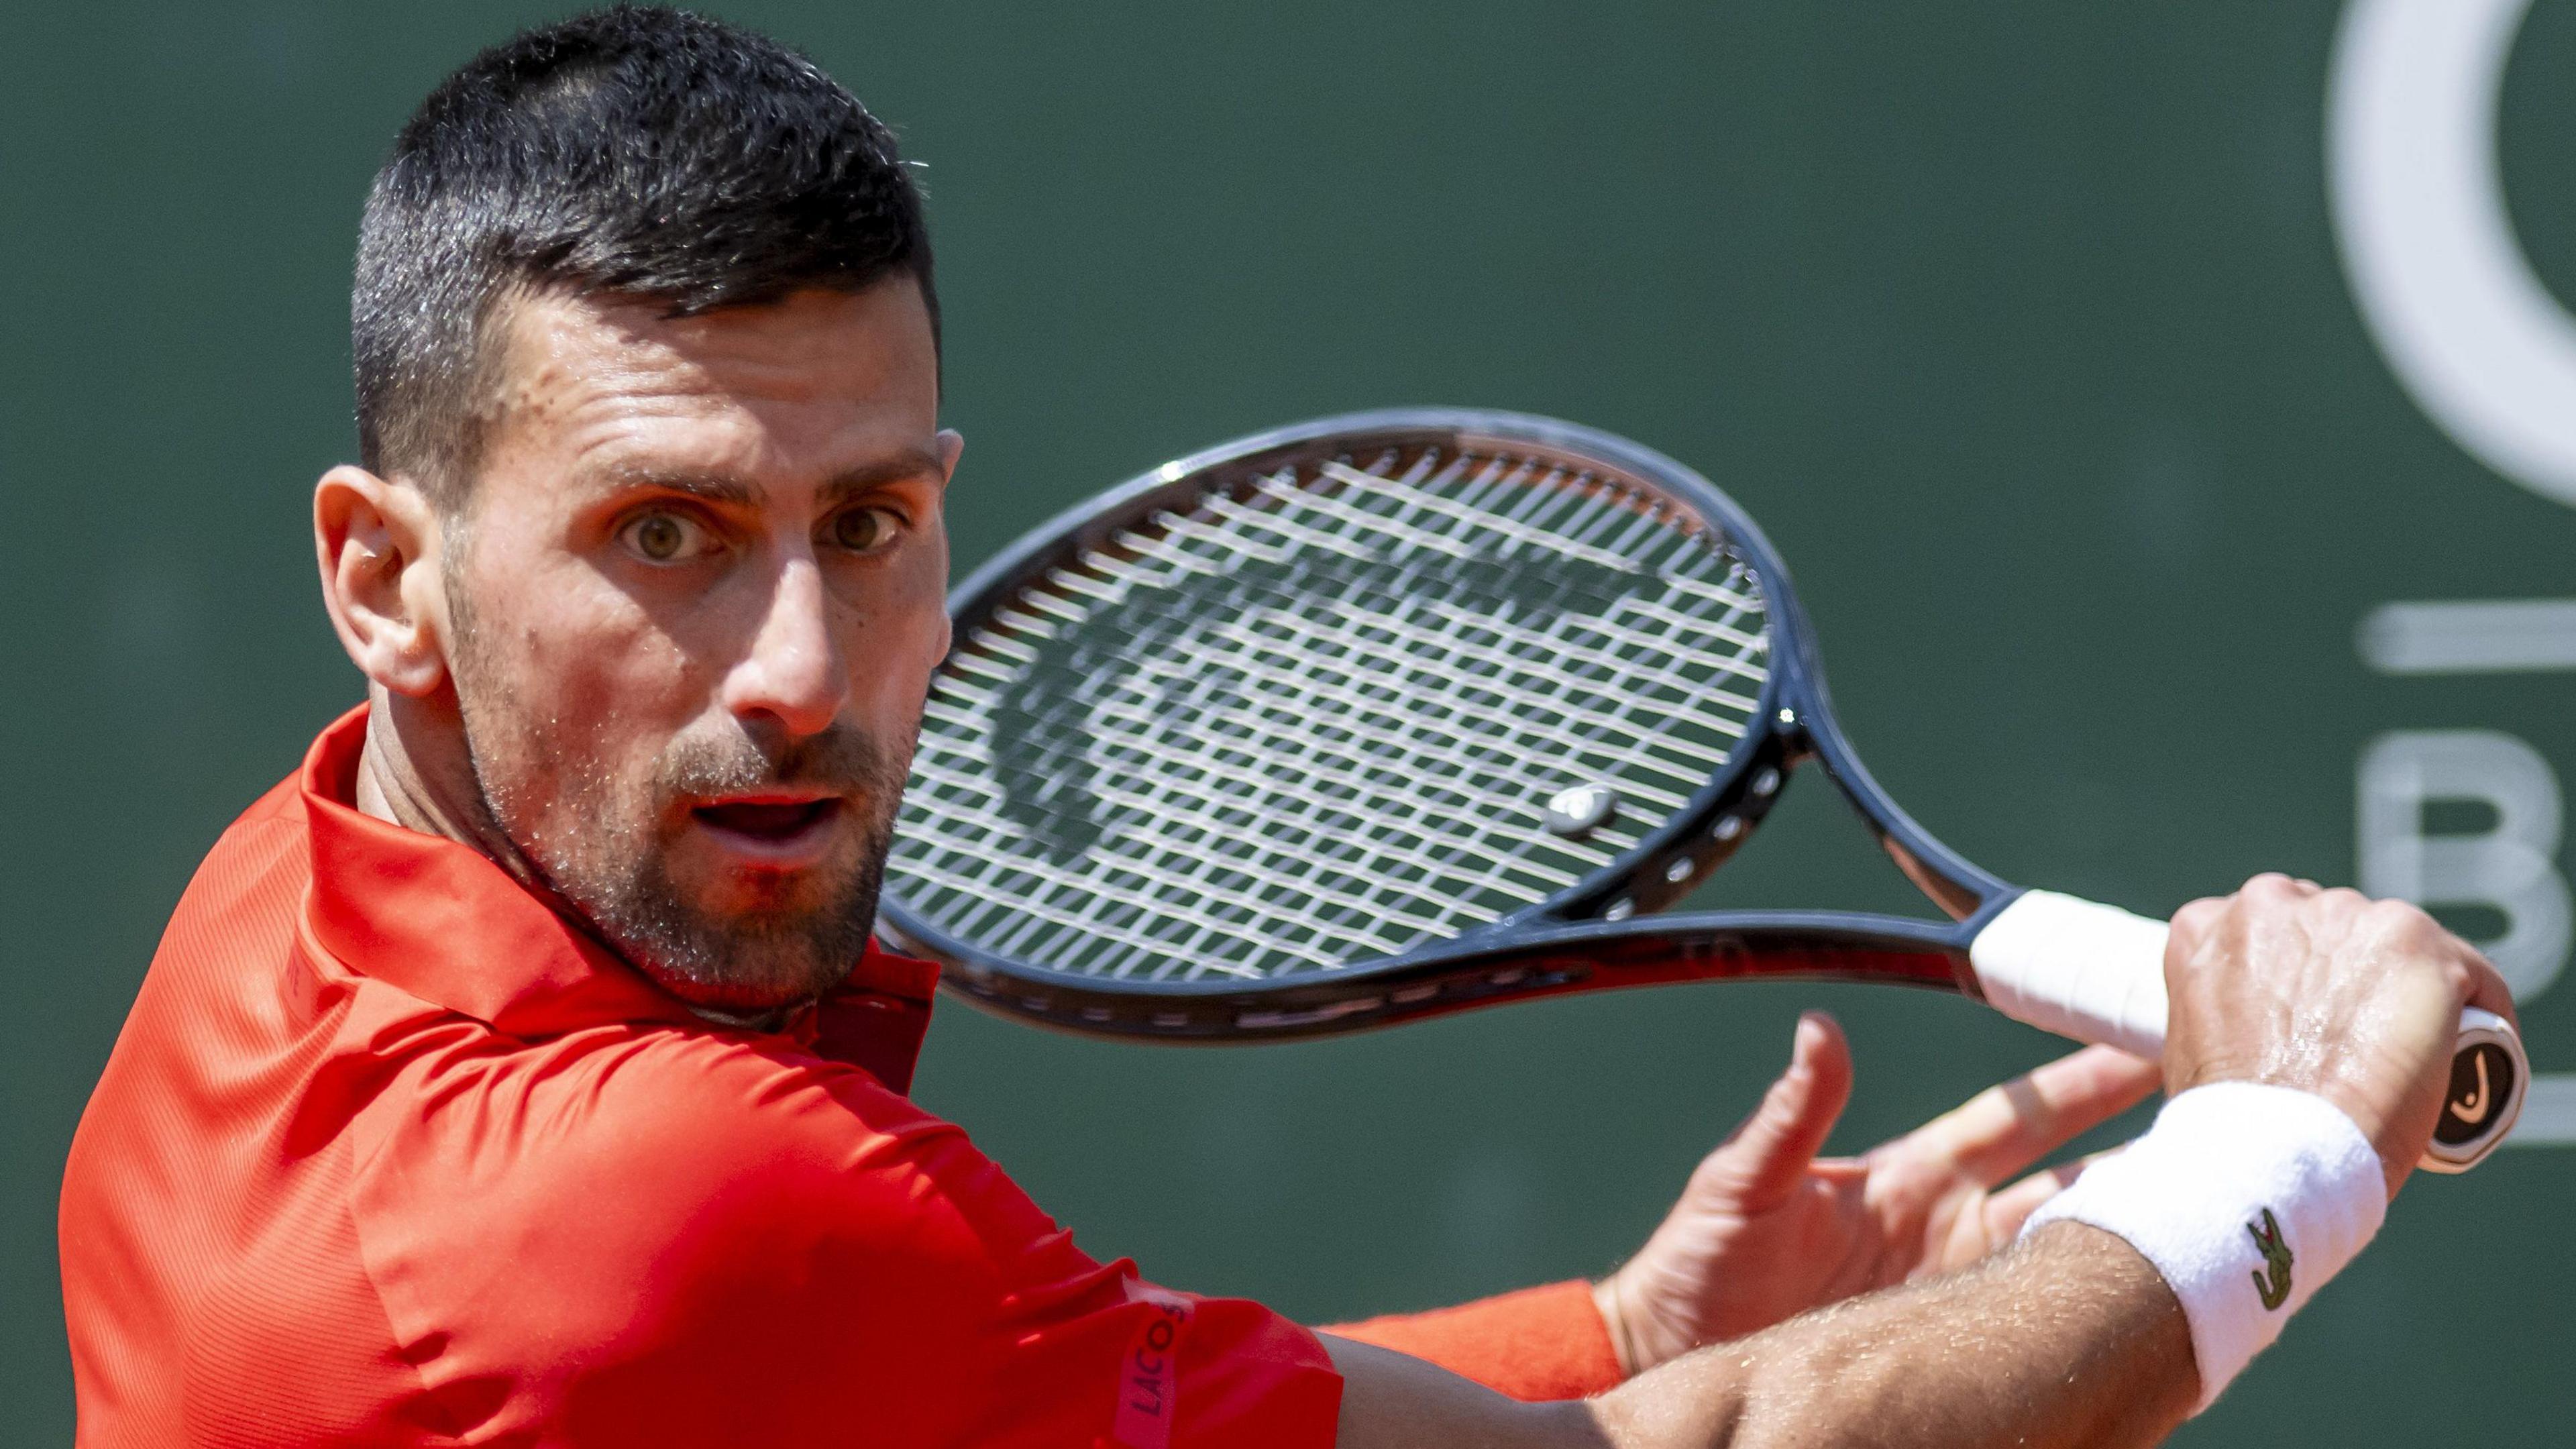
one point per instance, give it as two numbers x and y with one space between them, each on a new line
1395 714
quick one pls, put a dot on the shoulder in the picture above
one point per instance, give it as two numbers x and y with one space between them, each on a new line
693 1113
649 1235
635 1219
664 1164
257 867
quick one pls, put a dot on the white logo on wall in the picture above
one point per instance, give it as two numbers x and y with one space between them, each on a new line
2490 356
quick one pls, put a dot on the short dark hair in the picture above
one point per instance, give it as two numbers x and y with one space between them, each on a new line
639 152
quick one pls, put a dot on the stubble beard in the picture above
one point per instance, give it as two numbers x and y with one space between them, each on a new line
611 866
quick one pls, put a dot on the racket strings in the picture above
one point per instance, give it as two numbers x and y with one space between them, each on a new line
1315 718
1381 863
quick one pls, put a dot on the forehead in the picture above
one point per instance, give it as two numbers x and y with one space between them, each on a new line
818 373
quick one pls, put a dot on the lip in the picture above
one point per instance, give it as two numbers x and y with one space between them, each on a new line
775 829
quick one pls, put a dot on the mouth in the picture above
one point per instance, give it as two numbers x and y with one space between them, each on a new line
772 828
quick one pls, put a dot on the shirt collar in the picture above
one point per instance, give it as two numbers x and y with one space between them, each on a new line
439 920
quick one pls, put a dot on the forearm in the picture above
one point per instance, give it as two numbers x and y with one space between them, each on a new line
2069 1340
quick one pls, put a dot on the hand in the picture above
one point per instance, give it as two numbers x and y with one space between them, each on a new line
1766 1230
2330 992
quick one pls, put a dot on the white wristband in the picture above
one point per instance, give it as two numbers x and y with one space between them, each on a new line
2246 1198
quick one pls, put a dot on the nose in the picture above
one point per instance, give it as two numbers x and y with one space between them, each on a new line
793 673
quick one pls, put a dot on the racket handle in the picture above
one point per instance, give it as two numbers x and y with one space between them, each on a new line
2097 974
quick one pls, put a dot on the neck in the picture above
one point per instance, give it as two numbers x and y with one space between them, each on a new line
415 772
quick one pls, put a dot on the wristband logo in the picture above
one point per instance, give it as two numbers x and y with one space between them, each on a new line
2274 1290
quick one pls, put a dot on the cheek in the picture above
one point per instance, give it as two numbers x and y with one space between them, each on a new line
593 684
898 639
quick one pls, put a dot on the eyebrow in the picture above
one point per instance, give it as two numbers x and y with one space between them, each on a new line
902 464
726 488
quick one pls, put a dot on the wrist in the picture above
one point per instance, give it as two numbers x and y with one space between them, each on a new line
2246 1198
1611 1299
2368 1112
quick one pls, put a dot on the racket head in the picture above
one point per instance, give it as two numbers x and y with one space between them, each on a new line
1262 741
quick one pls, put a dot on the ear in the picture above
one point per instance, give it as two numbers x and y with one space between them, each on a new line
377 543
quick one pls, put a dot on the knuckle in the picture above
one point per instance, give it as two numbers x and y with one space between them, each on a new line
2196 918
2400 919
2275 894
2475 967
2460 976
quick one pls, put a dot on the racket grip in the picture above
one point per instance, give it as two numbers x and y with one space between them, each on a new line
2096 973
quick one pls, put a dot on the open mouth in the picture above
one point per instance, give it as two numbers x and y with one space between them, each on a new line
767 822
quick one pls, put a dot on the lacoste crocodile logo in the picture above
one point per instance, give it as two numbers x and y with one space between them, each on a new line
2274 1290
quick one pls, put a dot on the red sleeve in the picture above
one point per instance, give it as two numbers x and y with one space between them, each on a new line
704 1244
1538 1343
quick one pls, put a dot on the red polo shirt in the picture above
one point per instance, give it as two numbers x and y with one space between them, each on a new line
390 1153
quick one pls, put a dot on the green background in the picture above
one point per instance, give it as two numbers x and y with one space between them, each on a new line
2019 325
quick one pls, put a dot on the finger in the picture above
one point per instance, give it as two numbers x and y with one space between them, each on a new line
2482 985
2487 989
2008 1208
2004 1129
1768 1156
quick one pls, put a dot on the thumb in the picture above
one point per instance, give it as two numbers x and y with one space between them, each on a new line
1768 1156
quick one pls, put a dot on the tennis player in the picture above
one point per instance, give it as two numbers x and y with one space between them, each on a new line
519 1071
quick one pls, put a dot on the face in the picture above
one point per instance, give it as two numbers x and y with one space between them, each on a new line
694 603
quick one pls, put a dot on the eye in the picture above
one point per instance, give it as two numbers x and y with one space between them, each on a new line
864 530
666 537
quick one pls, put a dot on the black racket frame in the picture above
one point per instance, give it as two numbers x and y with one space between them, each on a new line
1606 931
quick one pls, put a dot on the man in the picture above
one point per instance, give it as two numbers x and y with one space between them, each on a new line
520 1070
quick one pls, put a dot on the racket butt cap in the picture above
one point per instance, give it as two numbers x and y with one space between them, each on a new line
2490 1077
